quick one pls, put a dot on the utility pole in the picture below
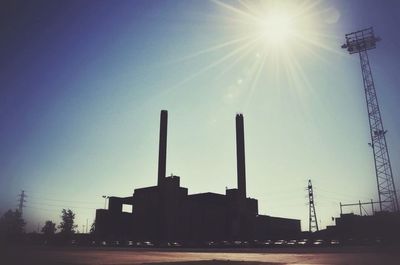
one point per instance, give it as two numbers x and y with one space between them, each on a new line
21 205
360 42
313 223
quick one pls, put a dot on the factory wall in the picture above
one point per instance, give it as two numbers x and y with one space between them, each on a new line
206 217
167 213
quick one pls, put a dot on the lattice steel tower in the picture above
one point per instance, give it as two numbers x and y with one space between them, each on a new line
360 42
313 223
21 200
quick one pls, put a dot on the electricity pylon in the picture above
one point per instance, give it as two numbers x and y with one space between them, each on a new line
313 223
21 205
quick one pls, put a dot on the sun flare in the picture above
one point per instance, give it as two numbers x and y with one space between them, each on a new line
276 28
273 38
278 25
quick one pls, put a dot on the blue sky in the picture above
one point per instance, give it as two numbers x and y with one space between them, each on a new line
82 84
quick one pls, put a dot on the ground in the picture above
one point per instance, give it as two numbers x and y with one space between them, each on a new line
125 256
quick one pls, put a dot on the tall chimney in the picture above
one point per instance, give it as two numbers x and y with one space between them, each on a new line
241 168
162 151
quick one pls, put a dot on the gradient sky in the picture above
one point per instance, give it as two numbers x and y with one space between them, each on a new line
82 84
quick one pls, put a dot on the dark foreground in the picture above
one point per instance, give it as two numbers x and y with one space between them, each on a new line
108 256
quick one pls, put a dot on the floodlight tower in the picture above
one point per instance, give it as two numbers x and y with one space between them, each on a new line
360 42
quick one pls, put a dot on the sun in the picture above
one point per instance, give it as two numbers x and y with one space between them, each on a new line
277 27
276 24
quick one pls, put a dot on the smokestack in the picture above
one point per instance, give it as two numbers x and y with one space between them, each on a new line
162 151
241 168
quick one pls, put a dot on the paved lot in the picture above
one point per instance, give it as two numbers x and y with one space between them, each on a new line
110 256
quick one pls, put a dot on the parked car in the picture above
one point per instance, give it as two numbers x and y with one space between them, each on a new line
319 243
144 244
225 244
175 244
335 242
115 243
237 243
261 244
280 243
303 242
211 244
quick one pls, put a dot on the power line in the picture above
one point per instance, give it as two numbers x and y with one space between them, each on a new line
342 194
57 200
63 206
40 208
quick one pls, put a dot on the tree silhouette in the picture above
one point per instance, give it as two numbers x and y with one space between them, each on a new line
67 226
93 227
49 229
11 226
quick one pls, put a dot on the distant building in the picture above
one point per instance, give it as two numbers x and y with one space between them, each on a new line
167 212
380 225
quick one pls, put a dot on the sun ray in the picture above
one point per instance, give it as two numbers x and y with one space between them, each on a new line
307 8
255 80
236 61
214 48
253 10
235 10
321 45
211 65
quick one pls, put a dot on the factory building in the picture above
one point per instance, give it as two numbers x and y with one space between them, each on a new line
378 226
167 212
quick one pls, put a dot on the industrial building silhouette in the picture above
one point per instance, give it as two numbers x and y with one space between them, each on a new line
166 212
